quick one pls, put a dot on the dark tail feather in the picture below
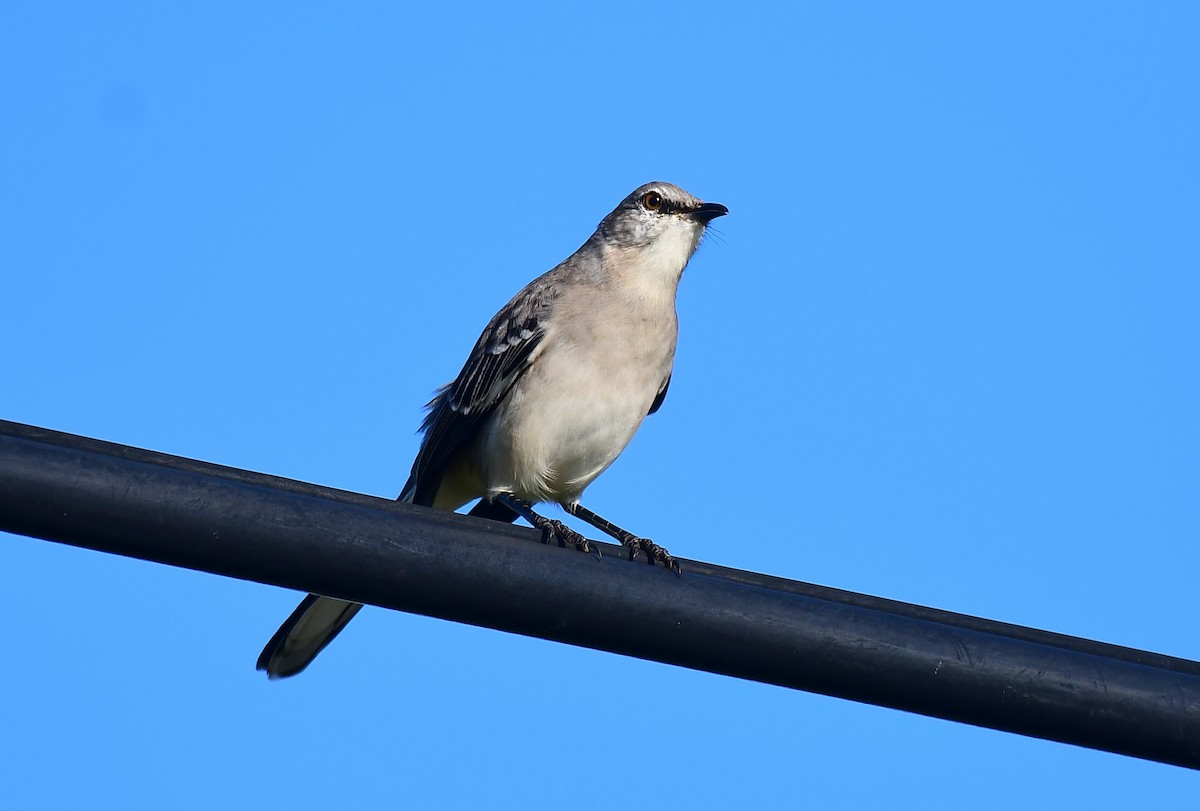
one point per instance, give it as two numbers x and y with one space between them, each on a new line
312 626
493 511
317 620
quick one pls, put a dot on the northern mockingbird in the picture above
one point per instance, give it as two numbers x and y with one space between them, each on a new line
553 391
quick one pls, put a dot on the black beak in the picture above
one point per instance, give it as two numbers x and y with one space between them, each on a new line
707 212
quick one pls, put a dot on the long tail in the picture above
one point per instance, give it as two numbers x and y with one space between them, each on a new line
317 620
312 626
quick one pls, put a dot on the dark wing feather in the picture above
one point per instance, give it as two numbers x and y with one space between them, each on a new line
501 355
658 398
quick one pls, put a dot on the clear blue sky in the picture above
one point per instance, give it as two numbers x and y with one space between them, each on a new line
944 350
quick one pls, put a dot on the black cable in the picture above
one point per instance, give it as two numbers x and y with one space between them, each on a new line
257 527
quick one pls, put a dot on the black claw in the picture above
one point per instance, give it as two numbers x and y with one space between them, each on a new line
654 553
559 532
635 545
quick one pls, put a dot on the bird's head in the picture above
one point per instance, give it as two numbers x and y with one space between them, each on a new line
660 216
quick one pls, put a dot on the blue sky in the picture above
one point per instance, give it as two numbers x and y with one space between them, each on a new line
943 350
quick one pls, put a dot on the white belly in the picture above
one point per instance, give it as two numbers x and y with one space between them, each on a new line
570 416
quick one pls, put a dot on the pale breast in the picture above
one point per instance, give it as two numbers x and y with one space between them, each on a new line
577 407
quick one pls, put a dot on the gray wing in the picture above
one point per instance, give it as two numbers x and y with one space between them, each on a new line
458 410
658 398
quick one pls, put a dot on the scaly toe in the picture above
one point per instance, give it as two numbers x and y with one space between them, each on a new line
564 535
654 553
634 545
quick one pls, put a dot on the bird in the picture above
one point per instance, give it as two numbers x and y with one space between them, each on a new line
552 392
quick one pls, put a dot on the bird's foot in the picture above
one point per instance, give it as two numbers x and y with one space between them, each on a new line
654 553
558 532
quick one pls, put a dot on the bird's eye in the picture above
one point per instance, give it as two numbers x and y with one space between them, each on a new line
652 200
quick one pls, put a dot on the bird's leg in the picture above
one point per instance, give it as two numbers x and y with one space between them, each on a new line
653 551
552 530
